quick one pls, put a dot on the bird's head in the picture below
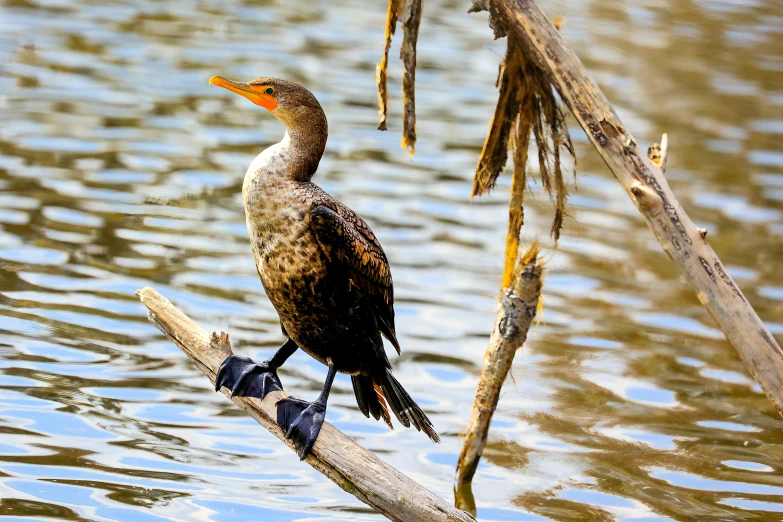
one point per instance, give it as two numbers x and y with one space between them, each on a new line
297 109
289 102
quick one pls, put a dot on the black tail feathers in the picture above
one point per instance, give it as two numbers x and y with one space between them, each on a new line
370 398
373 394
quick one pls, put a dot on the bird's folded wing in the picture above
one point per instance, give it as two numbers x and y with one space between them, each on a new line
347 240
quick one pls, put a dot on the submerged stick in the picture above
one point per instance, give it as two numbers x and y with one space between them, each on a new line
336 455
648 189
516 312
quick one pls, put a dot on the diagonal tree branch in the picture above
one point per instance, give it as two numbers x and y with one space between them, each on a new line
336 455
648 189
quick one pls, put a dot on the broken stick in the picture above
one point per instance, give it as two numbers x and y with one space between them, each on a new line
516 312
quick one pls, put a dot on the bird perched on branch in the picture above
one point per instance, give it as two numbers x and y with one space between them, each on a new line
324 271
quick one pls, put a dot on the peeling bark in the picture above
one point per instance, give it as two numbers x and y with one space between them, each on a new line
526 103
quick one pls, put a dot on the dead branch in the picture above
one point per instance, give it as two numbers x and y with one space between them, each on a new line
336 455
515 314
526 104
410 31
659 152
648 189
409 13
516 204
381 68
495 151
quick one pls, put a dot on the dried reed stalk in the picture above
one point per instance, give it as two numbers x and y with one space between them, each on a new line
526 103
409 13
380 69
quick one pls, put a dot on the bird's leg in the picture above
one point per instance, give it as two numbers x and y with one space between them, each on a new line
246 378
302 420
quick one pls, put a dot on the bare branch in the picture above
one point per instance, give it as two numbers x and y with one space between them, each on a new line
410 35
336 455
647 186
516 312
659 152
381 68
664 151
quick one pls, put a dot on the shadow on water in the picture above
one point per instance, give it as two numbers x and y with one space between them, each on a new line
121 168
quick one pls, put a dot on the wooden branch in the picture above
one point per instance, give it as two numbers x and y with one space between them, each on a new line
516 208
664 151
659 152
381 69
336 455
515 314
648 189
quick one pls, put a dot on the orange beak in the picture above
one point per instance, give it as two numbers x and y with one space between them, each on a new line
248 91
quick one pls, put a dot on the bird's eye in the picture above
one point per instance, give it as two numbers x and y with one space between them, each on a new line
269 90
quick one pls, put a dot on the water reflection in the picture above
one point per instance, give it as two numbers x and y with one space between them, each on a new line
120 168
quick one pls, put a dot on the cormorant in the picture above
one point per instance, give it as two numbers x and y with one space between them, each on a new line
323 270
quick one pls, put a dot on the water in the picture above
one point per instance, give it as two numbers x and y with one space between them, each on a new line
121 168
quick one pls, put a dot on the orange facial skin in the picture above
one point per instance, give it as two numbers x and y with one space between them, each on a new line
262 95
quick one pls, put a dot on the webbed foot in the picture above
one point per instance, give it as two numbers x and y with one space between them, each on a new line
246 378
301 421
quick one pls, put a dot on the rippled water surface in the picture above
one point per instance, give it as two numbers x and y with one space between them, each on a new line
121 168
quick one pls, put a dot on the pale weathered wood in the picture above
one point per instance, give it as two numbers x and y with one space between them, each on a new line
659 152
336 455
648 189
515 314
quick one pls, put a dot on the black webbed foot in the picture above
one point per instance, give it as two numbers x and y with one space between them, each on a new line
301 421
246 378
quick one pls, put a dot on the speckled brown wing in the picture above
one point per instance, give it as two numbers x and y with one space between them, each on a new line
345 238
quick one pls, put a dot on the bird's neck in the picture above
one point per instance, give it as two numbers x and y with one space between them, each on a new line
303 145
